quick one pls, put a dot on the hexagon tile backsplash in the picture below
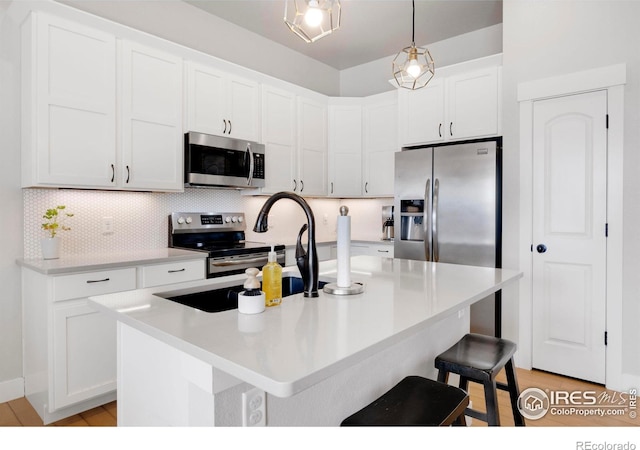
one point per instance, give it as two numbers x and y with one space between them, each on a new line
139 218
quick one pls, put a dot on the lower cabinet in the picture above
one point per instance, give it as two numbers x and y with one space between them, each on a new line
69 347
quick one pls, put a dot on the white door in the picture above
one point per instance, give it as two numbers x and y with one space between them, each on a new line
312 147
569 240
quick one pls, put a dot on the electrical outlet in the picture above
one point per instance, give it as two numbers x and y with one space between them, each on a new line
107 225
254 408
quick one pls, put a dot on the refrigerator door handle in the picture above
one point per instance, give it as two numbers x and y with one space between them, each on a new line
436 191
426 221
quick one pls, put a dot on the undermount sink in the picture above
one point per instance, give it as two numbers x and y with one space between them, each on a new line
224 299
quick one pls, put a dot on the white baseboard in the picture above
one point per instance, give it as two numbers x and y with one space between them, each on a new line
629 381
11 389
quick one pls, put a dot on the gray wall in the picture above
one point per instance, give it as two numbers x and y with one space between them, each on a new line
10 202
547 38
373 77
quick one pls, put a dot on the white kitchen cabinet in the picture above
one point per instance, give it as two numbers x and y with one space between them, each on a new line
169 273
295 137
380 144
69 104
279 138
70 347
98 112
421 114
345 147
452 108
312 147
222 104
372 249
326 251
473 104
151 118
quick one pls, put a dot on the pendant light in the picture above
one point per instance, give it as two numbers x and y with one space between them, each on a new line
413 67
312 19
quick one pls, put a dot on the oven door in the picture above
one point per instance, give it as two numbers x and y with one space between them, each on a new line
228 265
221 161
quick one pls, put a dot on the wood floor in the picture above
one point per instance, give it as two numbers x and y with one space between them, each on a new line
20 413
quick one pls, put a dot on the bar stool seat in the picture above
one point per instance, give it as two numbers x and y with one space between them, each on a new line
414 401
479 359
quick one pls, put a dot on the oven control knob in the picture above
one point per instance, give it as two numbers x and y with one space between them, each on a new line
227 219
240 219
188 220
234 219
180 220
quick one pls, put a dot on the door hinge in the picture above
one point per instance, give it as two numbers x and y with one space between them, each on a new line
606 338
607 121
606 230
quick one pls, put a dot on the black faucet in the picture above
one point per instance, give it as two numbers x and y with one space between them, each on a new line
307 262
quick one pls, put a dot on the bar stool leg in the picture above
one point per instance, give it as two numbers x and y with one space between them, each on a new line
443 376
512 382
491 400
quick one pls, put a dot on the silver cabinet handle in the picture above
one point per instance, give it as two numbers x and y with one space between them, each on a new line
436 193
176 270
97 281
426 221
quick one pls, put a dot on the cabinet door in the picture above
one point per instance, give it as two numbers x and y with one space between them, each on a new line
422 114
278 133
473 104
206 100
380 144
345 150
73 104
243 109
312 147
151 119
84 353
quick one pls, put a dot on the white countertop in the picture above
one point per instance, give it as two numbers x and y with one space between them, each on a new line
291 347
84 263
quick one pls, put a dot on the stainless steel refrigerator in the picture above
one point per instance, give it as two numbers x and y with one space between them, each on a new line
447 209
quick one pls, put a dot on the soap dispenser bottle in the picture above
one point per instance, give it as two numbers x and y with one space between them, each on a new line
272 280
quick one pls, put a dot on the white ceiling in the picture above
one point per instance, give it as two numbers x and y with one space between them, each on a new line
370 29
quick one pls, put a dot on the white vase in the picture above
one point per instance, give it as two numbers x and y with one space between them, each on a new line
50 248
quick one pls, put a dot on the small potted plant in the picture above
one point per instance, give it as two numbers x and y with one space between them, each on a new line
53 225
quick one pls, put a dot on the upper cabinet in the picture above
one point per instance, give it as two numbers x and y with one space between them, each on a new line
72 86
294 132
380 114
312 147
452 108
222 104
345 147
151 119
69 104
279 138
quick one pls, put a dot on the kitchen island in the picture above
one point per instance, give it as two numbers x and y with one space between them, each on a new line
318 359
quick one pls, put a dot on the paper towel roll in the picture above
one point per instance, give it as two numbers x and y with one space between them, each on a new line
344 251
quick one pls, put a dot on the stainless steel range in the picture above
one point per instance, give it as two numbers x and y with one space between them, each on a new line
222 236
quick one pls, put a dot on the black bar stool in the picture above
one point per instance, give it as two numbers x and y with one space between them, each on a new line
414 401
479 358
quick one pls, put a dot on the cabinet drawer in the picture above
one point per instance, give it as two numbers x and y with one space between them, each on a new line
93 283
381 250
175 272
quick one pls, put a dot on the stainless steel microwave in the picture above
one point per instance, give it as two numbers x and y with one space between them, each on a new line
219 161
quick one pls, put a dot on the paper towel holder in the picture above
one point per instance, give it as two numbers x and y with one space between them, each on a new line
353 288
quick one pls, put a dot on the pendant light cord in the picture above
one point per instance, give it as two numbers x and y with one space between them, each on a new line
413 26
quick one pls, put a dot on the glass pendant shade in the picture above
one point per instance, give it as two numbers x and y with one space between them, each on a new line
312 19
413 67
